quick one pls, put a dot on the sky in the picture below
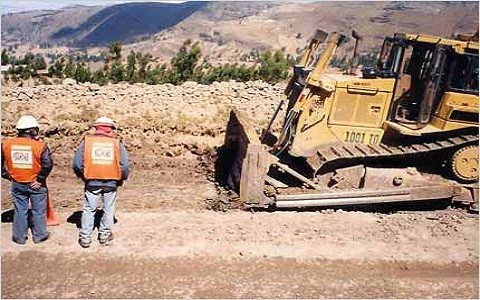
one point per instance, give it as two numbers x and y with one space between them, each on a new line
11 6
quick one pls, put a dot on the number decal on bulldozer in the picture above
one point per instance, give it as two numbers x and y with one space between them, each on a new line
355 137
359 137
373 140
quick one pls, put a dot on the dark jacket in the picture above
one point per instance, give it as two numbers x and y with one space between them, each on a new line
78 165
45 161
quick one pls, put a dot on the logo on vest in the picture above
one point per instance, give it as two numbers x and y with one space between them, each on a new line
22 157
102 153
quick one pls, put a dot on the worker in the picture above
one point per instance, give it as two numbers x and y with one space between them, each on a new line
101 161
27 162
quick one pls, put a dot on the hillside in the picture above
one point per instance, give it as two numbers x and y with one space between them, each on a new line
229 31
35 27
125 22
94 26
289 25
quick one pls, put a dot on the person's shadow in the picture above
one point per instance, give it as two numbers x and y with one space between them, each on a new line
7 216
76 218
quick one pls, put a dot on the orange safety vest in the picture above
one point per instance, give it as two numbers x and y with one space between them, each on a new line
101 158
23 158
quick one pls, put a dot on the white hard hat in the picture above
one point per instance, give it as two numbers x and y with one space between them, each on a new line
105 121
26 122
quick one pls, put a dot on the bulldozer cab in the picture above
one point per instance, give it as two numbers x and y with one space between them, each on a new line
424 71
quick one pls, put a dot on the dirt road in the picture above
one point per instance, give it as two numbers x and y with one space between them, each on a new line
168 245
239 254
128 276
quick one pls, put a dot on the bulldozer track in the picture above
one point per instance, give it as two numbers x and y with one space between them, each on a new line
344 152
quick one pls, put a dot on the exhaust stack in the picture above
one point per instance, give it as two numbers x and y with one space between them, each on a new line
353 66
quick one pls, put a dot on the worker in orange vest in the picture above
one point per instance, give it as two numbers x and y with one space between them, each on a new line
101 161
27 162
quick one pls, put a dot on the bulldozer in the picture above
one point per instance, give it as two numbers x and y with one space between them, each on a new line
404 130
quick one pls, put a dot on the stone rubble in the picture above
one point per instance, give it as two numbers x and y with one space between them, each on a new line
160 119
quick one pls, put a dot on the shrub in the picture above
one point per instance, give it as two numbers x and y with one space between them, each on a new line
273 67
186 65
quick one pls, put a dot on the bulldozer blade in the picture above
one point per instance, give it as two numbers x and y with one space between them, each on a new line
366 196
247 161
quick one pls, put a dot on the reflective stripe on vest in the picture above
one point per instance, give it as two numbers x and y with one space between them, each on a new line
101 158
23 158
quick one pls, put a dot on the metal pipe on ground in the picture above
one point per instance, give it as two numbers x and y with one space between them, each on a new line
364 197
340 201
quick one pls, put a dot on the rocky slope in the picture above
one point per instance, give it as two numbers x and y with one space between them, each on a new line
159 119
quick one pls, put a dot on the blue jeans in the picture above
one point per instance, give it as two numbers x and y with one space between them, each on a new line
90 207
22 194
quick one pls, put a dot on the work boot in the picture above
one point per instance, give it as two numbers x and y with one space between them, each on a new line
104 238
42 239
84 243
15 240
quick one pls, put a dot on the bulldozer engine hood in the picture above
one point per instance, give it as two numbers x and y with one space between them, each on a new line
330 82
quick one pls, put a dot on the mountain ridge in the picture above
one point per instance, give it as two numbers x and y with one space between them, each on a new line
229 31
124 22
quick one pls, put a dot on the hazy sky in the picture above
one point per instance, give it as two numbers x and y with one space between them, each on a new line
9 6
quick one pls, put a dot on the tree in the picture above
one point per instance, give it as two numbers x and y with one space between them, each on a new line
117 72
56 70
24 72
143 61
5 57
246 73
39 62
157 76
28 59
69 69
115 51
82 73
99 77
131 68
273 67
114 54
185 62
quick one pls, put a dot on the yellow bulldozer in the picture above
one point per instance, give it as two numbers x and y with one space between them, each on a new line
404 130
